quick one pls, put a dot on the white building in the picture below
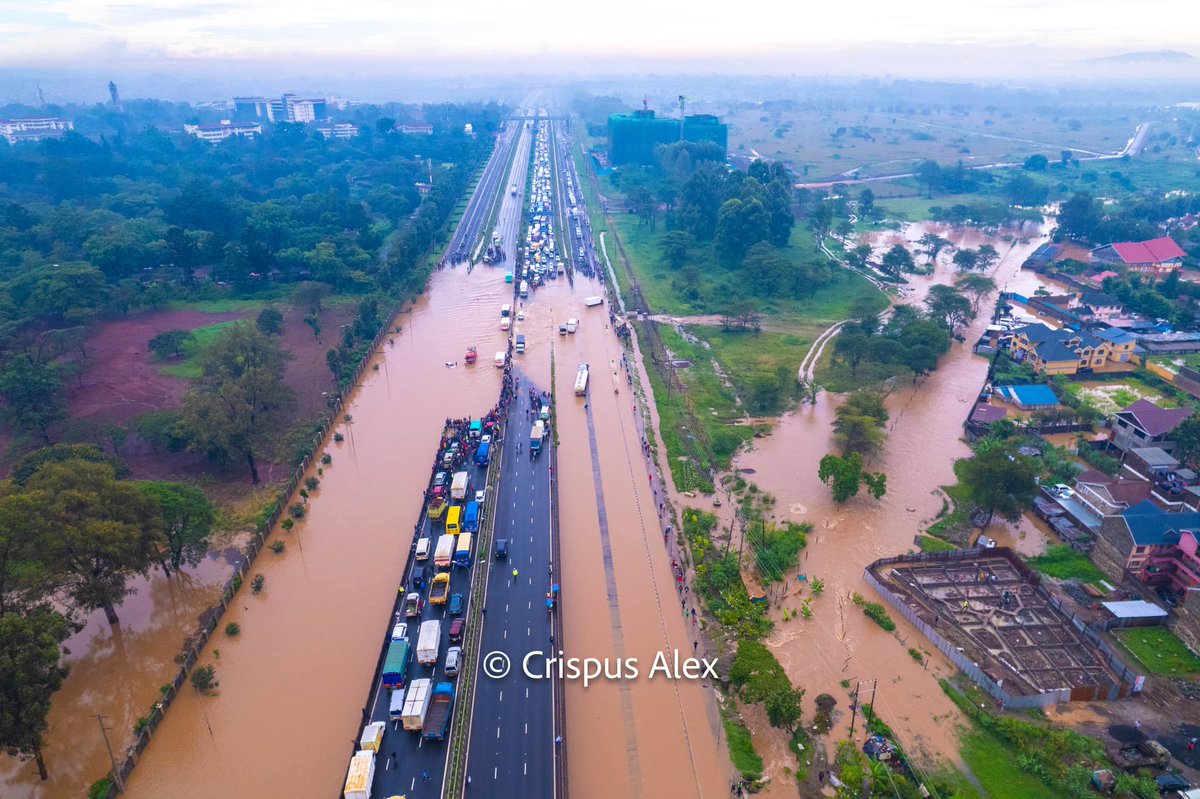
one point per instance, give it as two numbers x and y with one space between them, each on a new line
18 130
226 129
338 130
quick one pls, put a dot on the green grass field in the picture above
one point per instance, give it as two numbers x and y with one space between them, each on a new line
1160 651
189 366
1064 563
994 764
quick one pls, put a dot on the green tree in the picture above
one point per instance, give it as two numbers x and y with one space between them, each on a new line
269 321
1080 216
966 260
948 305
676 247
1187 441
241 401
977 287
187 521
740 225
858 426
852 347
931 244
929 175
170 343
859 256
765 268
844 475
898 259
60 294
1036 163
107 530
32 395
25 580
866 201
31 670
309 295
999 481
988 256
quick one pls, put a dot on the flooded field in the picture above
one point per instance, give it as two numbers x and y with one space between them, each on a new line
116 672
839 642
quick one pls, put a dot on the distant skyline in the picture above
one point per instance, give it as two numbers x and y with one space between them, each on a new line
363 32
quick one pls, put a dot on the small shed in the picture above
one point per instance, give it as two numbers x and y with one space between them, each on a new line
986 414
1135 613
1029 398
1151 462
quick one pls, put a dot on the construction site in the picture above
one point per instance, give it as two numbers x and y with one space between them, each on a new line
990 614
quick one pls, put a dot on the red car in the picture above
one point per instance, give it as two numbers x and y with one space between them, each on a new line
456 630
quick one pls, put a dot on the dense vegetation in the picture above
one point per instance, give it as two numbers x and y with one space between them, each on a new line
94 227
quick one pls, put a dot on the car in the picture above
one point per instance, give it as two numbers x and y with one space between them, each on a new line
487 439
417 580
501 548
1171 782
456 604
520 316
480 495
400 631
453 661
423 548
456 630
439 479
413 604
1062 491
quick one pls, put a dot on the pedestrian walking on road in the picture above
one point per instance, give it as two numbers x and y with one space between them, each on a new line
514 574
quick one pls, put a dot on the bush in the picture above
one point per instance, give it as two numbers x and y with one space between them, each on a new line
277 546
326 459
338 438
875 612
287 524
204 679
100 788
141 724
256 584
311 483
233 629
297 510
741 750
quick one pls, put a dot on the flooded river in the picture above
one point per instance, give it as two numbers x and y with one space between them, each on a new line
924 438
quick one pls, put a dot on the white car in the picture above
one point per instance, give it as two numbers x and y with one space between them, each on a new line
1062 491
480 495
520 316
400 632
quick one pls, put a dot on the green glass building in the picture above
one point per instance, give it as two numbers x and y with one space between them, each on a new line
633 137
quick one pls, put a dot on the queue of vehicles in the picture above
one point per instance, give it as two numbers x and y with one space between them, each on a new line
420 702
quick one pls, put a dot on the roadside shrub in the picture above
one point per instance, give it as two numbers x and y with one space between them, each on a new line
326 459
297 510
233 629
256 584
311 483
204 679
875 612
277 546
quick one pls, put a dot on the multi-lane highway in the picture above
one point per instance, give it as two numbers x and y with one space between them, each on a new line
512 751
479 207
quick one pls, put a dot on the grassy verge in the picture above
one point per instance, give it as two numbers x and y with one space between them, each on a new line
1064 563
202 337
1160 651
994 763
741 748
930 544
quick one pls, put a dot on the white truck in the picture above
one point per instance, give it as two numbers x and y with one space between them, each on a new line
592 302
458 486
444 552
360 776
416 704
581 380
429 641
572 325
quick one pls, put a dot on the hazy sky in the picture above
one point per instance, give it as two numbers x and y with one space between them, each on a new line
56 32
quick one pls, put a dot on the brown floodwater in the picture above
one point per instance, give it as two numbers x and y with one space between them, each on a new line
924 438
632 738
116 672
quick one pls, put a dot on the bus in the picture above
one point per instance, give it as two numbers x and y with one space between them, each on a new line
470 522
453 517
462 555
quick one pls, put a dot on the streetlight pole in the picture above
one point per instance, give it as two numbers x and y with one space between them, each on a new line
116 773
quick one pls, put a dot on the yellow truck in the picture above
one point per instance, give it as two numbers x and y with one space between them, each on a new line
440 588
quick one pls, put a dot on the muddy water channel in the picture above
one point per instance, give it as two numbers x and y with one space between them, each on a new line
292 685
839 643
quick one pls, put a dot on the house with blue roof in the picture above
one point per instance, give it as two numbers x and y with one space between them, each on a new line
1029 398
1157 547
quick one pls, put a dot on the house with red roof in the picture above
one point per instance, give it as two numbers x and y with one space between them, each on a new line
1155 258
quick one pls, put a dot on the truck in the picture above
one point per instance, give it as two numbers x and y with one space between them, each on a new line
535 437
1139 755
581 380
395 665
444 552
437 719
429 642
462 555
439 589
482 453
524 288
572 325
458 486
360 776
472 355
415 704
372 737
520 347
501 359
471 517
592 302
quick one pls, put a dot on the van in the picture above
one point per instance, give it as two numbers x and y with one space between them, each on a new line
505 323
423 545
572 325
417 581
505 310
520 342
501 548
501 359
452 520
396 706
562 330
453 661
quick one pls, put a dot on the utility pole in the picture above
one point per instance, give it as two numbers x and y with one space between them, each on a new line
116 773
869 713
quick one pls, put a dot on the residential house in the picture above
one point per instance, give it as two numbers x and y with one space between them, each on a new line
1144 424
1154 546
1098 306
1121 344
1107 496
1063 351
1029 398
225 130
1155 258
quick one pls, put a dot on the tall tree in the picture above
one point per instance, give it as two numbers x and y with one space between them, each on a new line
676 247
845 475
999 481
966 260
740 225
32 395
898 259
931 244
1187 441
170 343
866 202
977 287
988 256
187 521
241 400
949 306
25 580
31 670
106 531
929 174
